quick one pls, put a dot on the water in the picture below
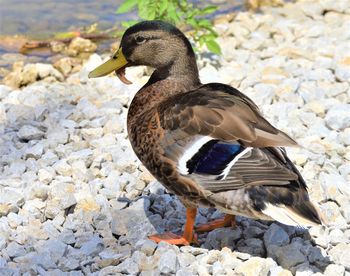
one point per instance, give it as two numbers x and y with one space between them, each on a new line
41 18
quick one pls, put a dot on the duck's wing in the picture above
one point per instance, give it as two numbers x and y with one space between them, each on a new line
217 135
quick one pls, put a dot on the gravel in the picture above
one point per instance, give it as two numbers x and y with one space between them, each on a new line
76 201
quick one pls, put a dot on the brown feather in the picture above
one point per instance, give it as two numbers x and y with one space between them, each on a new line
210 110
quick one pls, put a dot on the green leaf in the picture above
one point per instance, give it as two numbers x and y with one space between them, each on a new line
204 23
192 22
209 9
201 40
172 14
127 6
127 24
162 7
178 12
147 10
213 46
208 36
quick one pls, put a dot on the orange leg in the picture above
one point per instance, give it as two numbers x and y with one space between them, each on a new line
227 220
187 237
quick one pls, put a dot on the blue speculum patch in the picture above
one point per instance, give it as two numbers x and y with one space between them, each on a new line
213 157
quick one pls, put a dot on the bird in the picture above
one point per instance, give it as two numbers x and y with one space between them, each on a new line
206 143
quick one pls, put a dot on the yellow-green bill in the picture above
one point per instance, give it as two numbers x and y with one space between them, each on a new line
117 61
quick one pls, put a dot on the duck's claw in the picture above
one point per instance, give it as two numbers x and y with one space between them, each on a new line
226 221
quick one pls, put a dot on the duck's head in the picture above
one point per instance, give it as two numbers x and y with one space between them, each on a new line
152 43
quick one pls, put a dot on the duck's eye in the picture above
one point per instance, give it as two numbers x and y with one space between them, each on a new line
140 39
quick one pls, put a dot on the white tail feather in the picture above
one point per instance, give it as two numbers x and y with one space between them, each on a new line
286 215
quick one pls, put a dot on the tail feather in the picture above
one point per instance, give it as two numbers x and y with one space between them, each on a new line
291 204
303 215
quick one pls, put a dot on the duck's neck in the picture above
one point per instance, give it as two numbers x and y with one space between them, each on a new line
181 69
179 76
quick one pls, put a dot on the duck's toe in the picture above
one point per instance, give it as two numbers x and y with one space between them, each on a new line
172 238
226 221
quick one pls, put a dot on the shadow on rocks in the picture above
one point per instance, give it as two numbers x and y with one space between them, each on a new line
290 247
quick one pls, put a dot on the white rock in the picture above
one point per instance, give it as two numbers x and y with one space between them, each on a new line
63 168
337 236
45 70
128 267
91 133
49 158
279 271
92 247
93 61
167 262
35 151
209 74
17 167
57 136
14 220
340 6
338 117
79 170
334 270
148 247
46 175
28 132
341 254
12 198
3 243
64 193
255 266
4 91
80 155
15 250
345 136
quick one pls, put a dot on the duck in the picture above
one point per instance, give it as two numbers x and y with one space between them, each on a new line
208 144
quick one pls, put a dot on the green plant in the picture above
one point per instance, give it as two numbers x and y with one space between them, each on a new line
179 12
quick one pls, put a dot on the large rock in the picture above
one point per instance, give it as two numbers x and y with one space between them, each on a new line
290 255
253 246
275 235
28 132
222 237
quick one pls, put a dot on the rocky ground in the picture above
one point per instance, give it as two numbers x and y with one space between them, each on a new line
74 200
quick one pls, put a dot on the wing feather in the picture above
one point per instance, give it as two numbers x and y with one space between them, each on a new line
223 113
250 171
